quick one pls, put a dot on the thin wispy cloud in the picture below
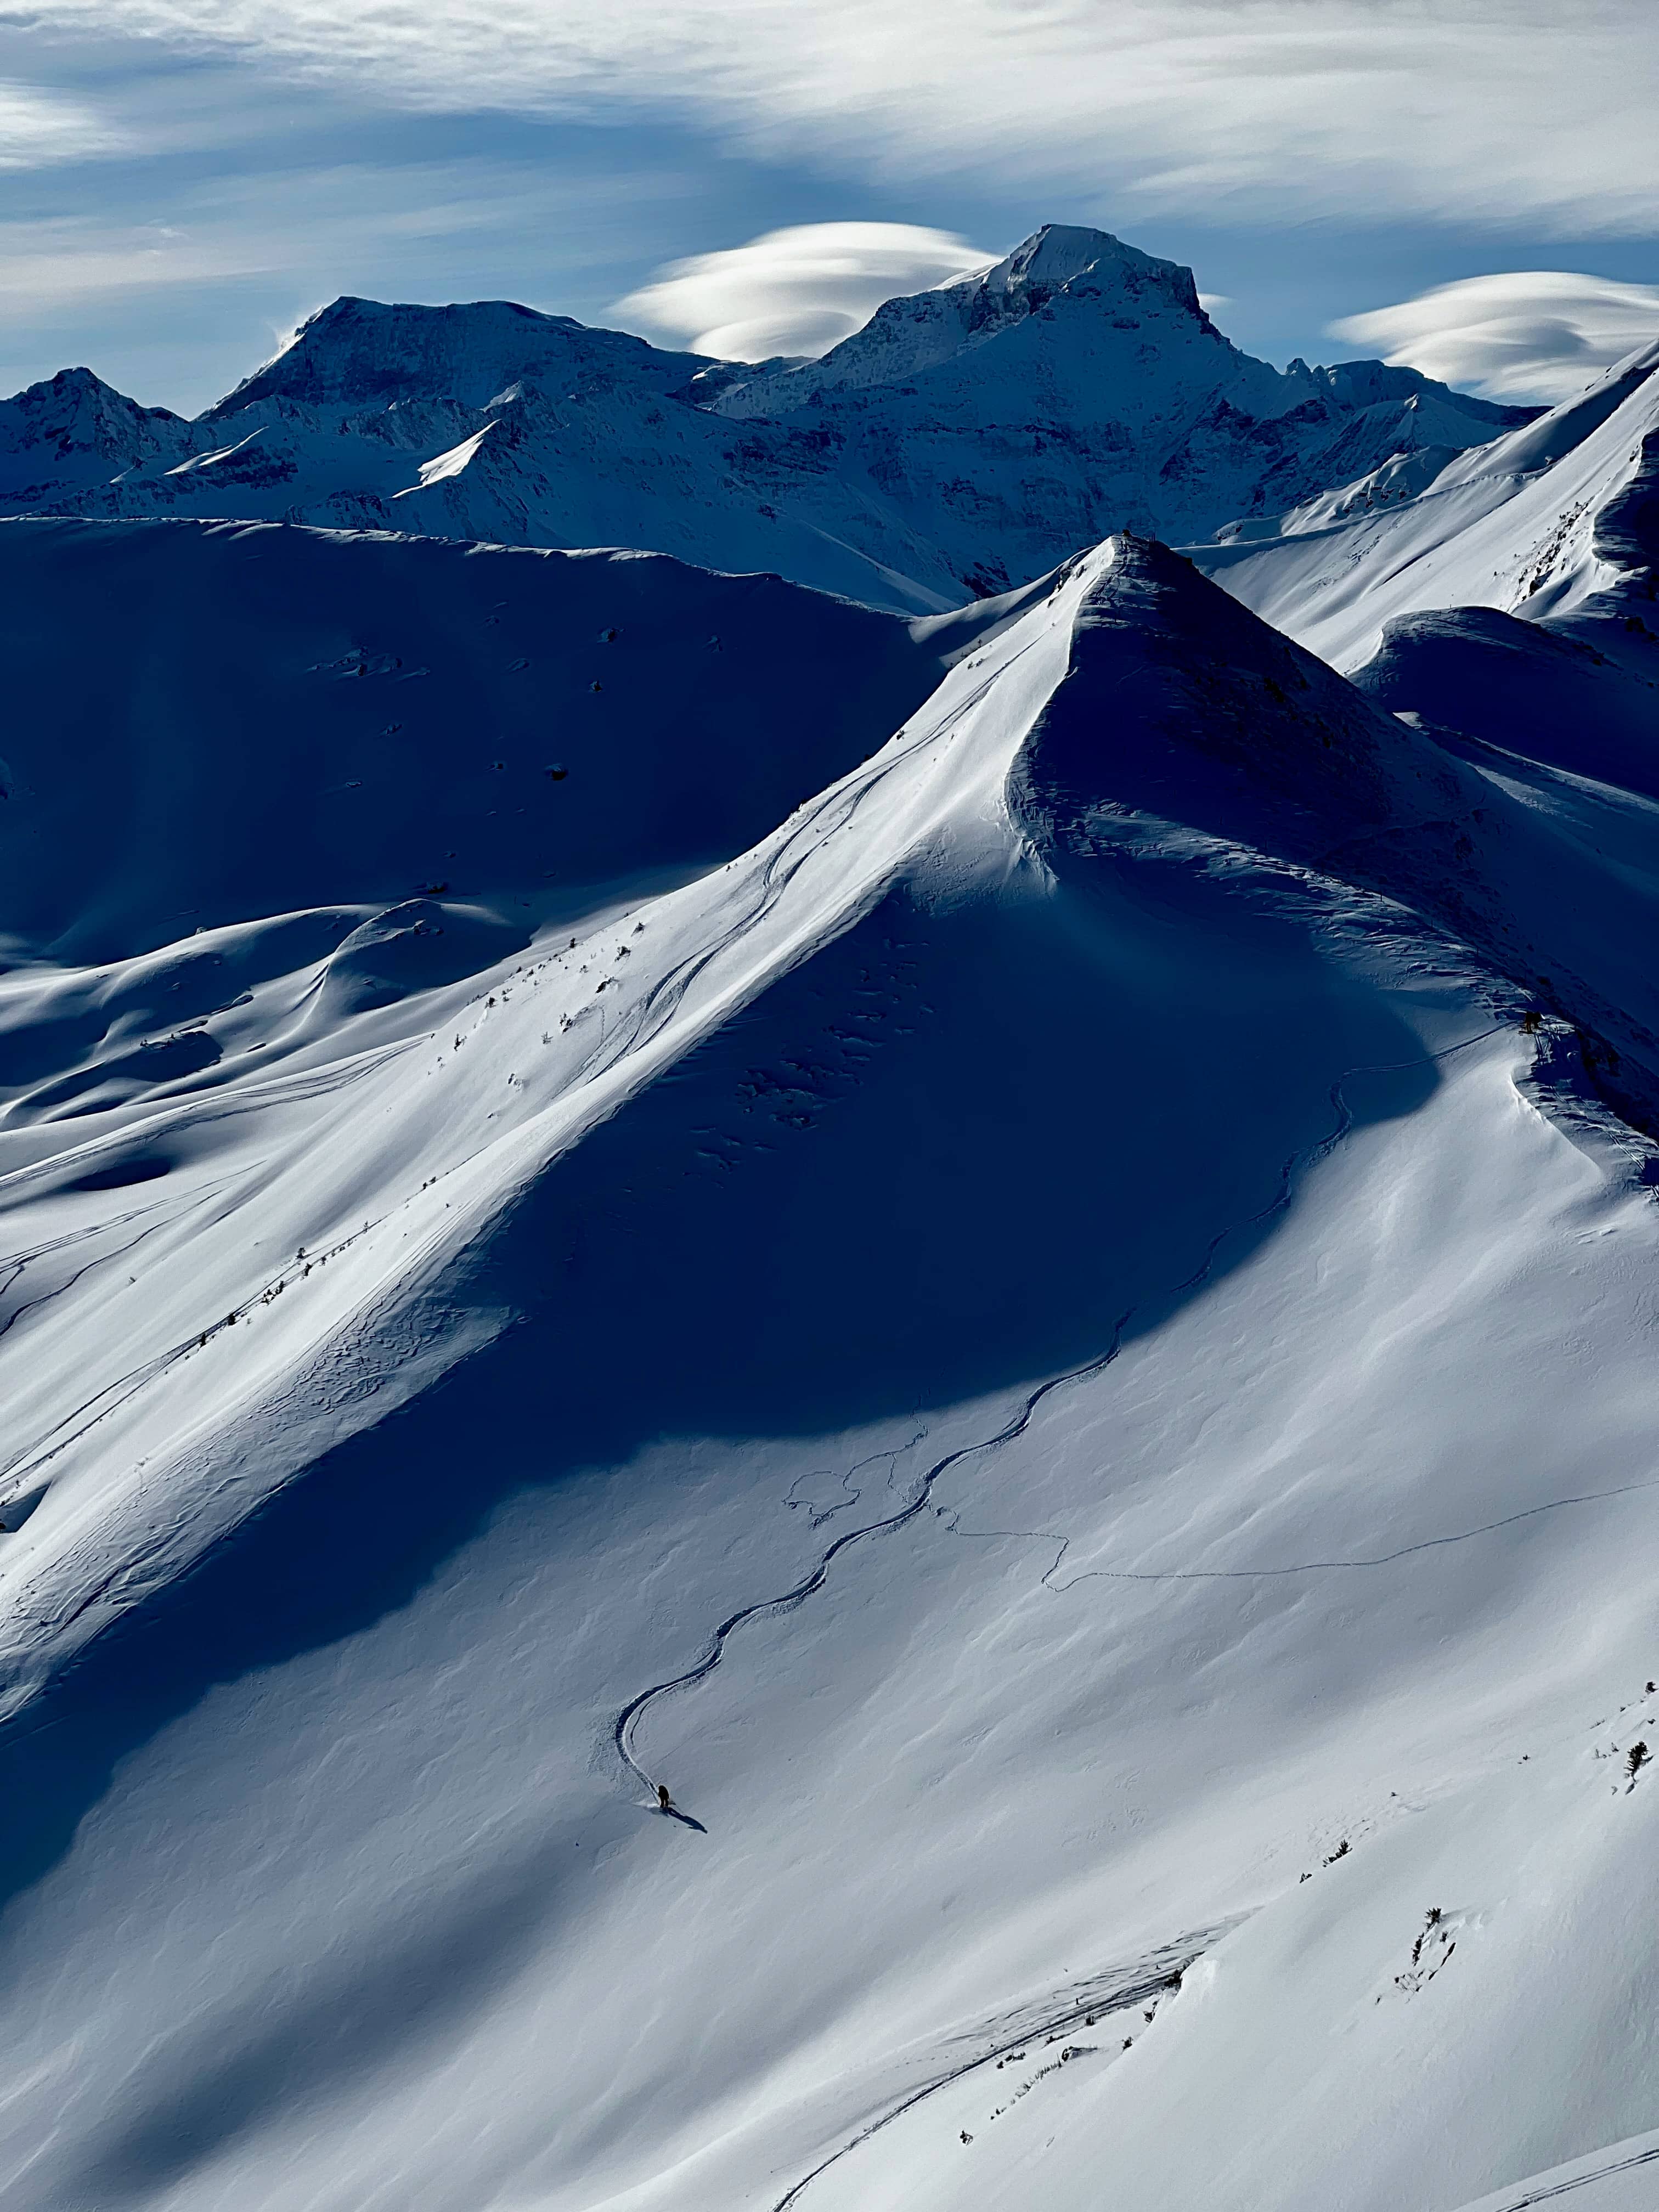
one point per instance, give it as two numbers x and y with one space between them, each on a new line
39 127
799 290
267 246
1536 334
258 225
1496 110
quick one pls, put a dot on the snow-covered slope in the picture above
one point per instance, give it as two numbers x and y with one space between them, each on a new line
967 439
1058 1339
215 722
1537 523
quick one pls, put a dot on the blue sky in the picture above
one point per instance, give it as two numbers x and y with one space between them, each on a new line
180 180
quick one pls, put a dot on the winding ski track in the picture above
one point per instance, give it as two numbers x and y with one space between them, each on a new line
1019 1420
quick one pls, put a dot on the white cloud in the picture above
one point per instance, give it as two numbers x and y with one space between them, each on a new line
1484 109
794 291
1539 334
38 127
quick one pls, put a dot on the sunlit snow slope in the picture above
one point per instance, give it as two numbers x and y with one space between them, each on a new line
1014 1254
1534 524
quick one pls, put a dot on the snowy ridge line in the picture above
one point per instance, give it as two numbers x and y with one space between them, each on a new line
1020 1419
644 1019
1162 1971
805 861
649 1014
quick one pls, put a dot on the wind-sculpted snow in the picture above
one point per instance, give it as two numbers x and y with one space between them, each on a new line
1580 694
1071 1082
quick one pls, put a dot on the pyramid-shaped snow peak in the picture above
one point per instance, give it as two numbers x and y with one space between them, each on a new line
1059 254
1183 705
1186 725
1088 276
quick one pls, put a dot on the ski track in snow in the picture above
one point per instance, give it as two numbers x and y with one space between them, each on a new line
627 1720
1578 2181
20 1262
105 1400
821 1514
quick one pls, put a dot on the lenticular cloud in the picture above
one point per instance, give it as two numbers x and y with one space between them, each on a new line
795 291
1538 333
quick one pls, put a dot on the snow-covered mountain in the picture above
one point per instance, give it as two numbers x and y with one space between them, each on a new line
75 435
1542 522
966 440
1044 1316
1013 1249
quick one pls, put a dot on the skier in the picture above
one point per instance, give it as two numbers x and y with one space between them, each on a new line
665 1803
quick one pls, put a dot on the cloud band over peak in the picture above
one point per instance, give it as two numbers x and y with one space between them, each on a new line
796 291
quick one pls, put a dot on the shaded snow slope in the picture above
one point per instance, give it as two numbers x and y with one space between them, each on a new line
1537 523
1580 693
211 723
966 440
1036 1340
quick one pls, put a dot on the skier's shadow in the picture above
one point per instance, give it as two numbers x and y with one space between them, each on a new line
673 1812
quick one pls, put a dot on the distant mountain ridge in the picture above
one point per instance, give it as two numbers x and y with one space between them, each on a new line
965 441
